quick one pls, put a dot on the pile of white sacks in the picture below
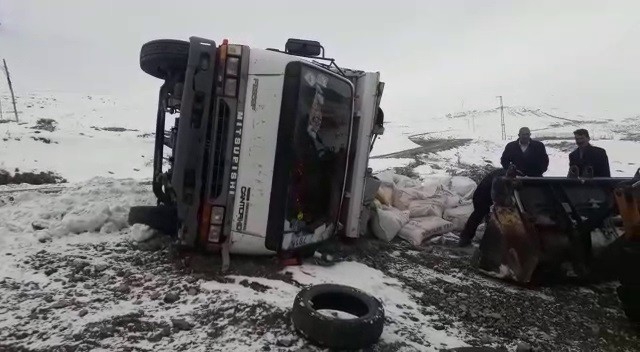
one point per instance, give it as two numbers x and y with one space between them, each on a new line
431 209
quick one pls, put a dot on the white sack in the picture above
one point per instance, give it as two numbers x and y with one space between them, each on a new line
404 181
402 197
386 176
458 215
452 201
420 208
419 229
385 193
412 232
442 181
463 186
447 239
434 225
387 221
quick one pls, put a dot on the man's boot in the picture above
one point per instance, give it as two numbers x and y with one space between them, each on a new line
464 241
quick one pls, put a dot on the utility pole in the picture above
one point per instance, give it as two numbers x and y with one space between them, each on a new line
504 132
13 97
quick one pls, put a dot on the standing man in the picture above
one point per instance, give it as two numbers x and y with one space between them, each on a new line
529 156
587 160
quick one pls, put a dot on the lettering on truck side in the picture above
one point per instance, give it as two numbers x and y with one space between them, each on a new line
300 240
235 154
243 208
254 94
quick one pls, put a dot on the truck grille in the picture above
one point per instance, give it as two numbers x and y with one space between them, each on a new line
220 141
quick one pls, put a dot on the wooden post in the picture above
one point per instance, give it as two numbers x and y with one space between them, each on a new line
13 97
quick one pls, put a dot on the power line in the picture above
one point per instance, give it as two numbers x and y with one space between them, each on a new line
504 131
13 97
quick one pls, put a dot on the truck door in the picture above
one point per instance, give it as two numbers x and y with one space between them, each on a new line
311 162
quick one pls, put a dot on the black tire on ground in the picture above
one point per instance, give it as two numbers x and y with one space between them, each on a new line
629 290
476 349
630 298
332 332
159 57
161 218
629 263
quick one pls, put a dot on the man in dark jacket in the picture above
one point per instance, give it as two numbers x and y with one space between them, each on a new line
588 160
529 156
481 206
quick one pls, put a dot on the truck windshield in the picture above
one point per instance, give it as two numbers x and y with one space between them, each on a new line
321 134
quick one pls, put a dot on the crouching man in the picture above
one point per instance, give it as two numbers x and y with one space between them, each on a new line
482 202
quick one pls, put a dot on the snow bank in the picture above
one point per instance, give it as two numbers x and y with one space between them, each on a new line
99 205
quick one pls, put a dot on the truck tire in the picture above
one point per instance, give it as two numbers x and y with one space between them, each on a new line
161 218
629 289
160 57
476 349
333 332
630 298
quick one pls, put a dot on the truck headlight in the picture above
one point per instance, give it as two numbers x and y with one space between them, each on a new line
214 233
233 66
234 49
230 87
217 215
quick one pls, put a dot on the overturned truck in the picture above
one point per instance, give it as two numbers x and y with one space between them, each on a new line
269 149
550 228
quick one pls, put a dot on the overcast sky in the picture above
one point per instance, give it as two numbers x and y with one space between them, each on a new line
581 56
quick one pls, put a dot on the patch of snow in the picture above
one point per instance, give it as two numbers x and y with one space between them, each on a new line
141 232
382 164
394 139
337 314
278 293
398 304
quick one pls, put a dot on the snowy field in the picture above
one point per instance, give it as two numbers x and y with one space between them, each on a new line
121 131
620 136
93 136
75 276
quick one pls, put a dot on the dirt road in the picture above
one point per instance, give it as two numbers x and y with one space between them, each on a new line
426 146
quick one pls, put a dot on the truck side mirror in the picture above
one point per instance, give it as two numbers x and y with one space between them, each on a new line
380 117
378 123
303 47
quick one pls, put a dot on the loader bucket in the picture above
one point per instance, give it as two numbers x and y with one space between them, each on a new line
544 227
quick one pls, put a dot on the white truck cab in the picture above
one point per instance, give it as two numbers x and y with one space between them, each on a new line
270 150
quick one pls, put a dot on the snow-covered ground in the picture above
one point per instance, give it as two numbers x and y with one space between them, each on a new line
74 274
70 253
113 137
620 136
93 136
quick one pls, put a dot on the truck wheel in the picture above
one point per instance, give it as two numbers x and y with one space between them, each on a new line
161 218
630 298
350 333
160 57
629 289
476 349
